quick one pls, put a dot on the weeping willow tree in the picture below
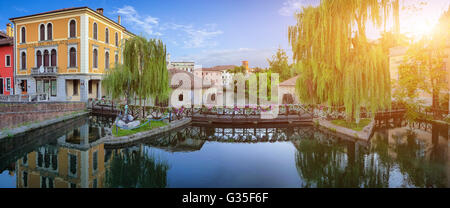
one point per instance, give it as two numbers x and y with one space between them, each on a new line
143 74
130 169
338 65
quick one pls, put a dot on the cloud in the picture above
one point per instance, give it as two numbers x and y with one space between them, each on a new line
292 6
188 35
196 37
132 17
256 57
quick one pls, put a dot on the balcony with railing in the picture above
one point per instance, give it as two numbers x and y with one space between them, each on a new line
44 71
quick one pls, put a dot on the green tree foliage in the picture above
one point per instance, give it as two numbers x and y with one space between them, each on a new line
337 64
144 72
279 64
423 69
238 69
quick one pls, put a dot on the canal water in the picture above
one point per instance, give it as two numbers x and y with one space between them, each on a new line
73 155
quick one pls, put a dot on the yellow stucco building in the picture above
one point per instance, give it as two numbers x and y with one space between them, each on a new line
66 52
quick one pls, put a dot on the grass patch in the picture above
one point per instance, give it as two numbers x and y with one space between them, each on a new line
123 132
357 127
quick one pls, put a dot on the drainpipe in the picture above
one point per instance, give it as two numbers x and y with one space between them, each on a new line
14 58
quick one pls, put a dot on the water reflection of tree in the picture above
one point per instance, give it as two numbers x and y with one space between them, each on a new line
412 160
136 169
331 164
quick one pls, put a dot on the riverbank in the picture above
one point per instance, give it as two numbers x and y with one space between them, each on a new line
111 140
364 134
6 133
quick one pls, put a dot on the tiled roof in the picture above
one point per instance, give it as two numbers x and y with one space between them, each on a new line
218 68
290 82
3 35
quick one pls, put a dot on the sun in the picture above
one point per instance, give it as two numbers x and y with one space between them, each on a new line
418 27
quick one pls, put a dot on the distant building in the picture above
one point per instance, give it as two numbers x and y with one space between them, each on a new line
187 66
287 93
7 61
216 75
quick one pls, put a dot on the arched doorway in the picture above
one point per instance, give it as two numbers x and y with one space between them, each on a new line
288 99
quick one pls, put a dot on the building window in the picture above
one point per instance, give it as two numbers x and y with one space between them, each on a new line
95 31
116 58
39 86
72 185
90 86
117 39
46 182
95 161
53 88
25 159
8 61
75 86
25 178
49 31
72 28
39 59
53 57
46 86
95 58
73 57
46 58
106 35
107 60
42 32
72 165
8 84
23 35
24 61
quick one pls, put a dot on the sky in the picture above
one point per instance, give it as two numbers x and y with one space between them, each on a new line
212 32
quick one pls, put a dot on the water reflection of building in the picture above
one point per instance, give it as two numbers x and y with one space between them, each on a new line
75 160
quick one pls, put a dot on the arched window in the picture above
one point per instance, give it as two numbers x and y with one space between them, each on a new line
24 60
72 29
180 97
46 58
95 58
23 34
53 56
49 31
117 39
95 31
42 33
73 57
39 59
116 59
107 60
106 35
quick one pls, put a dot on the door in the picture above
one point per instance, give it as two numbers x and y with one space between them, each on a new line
1 86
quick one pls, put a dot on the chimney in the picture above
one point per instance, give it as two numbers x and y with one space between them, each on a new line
100 11
9 30
119 20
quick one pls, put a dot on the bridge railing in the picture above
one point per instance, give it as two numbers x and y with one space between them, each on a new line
173 114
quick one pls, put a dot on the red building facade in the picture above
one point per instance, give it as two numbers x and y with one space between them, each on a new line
6 62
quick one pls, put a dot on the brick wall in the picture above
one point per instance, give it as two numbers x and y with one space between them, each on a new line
16 114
